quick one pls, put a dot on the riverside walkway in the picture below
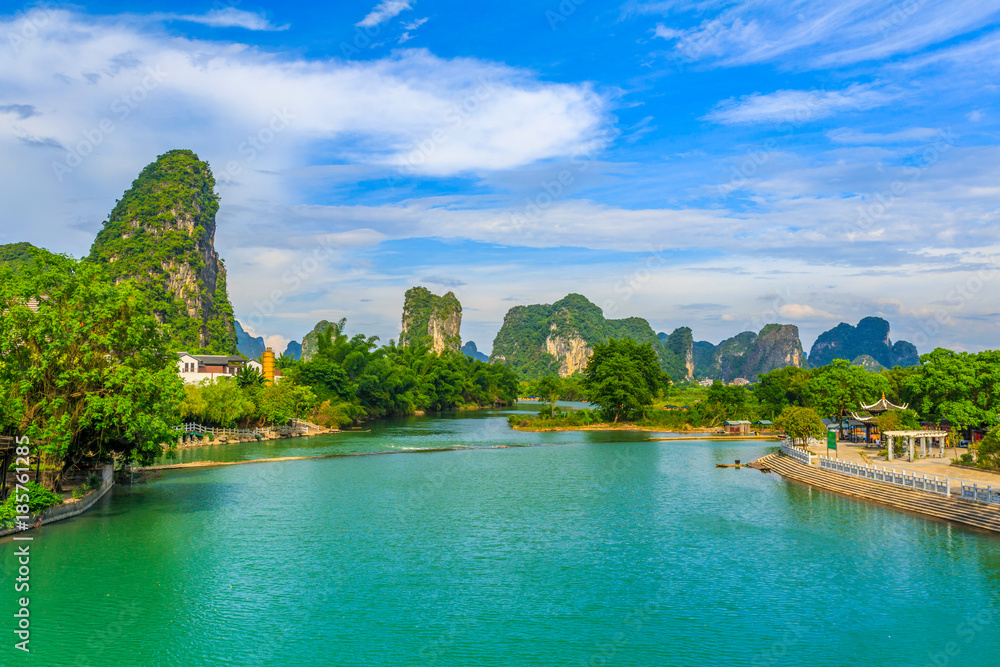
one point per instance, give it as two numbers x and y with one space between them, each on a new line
957 510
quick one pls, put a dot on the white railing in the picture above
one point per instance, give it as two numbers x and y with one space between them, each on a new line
229 432
981 494
297 427
797 453
901 478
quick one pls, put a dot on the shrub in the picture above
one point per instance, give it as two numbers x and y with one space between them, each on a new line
39 500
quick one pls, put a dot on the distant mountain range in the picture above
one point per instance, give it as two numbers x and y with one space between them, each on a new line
161 235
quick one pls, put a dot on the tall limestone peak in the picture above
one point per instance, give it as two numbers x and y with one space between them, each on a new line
870 337
559 338
749 354
162 235
431 320
681 344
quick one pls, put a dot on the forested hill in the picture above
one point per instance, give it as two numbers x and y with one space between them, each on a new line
162 234
22 256
546 339
431 320
869 338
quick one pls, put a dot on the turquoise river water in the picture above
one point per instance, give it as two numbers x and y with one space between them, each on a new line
594 549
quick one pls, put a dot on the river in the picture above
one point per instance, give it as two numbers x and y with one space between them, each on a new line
593 549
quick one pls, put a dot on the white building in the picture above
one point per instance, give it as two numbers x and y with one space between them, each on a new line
193 368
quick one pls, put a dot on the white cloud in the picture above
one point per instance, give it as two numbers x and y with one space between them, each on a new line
799 106
846 135
413 110
801 311
384 11
413 25
229 17
823 33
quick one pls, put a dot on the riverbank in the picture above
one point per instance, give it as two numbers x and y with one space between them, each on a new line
607 426
955 510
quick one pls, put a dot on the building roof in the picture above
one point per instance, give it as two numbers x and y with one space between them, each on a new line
214 359
764 422
883 405
736 423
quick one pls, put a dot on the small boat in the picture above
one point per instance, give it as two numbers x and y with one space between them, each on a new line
732 465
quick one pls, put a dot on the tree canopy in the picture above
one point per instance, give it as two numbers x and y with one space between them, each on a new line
88 376
623 377
800 423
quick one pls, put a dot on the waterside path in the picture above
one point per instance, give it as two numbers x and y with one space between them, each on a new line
937 507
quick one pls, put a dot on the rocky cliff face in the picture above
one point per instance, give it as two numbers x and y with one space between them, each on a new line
776 346
545 339
703 352
727 359
681 345
870 337
749 354
161 234
573 353
310 342
428 319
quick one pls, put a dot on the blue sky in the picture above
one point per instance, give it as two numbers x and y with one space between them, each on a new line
718 165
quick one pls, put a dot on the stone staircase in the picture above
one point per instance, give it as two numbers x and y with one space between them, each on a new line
918 502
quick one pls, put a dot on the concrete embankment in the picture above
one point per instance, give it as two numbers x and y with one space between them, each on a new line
73 507
937 507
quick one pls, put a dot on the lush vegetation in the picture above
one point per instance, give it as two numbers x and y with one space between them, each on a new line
165 221
869 338
521 341
962 389
622 378
353 378
800 423
38 499
89 377
24 257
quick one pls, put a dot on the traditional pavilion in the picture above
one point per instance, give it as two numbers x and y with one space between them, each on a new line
874 410
926 437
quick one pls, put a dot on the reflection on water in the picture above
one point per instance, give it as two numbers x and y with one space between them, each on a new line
608 550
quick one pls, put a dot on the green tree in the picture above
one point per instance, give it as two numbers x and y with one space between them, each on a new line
87 377
623 377
725 402
783 387
839 386
800 423
227 402
548 387
960 387
988 451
